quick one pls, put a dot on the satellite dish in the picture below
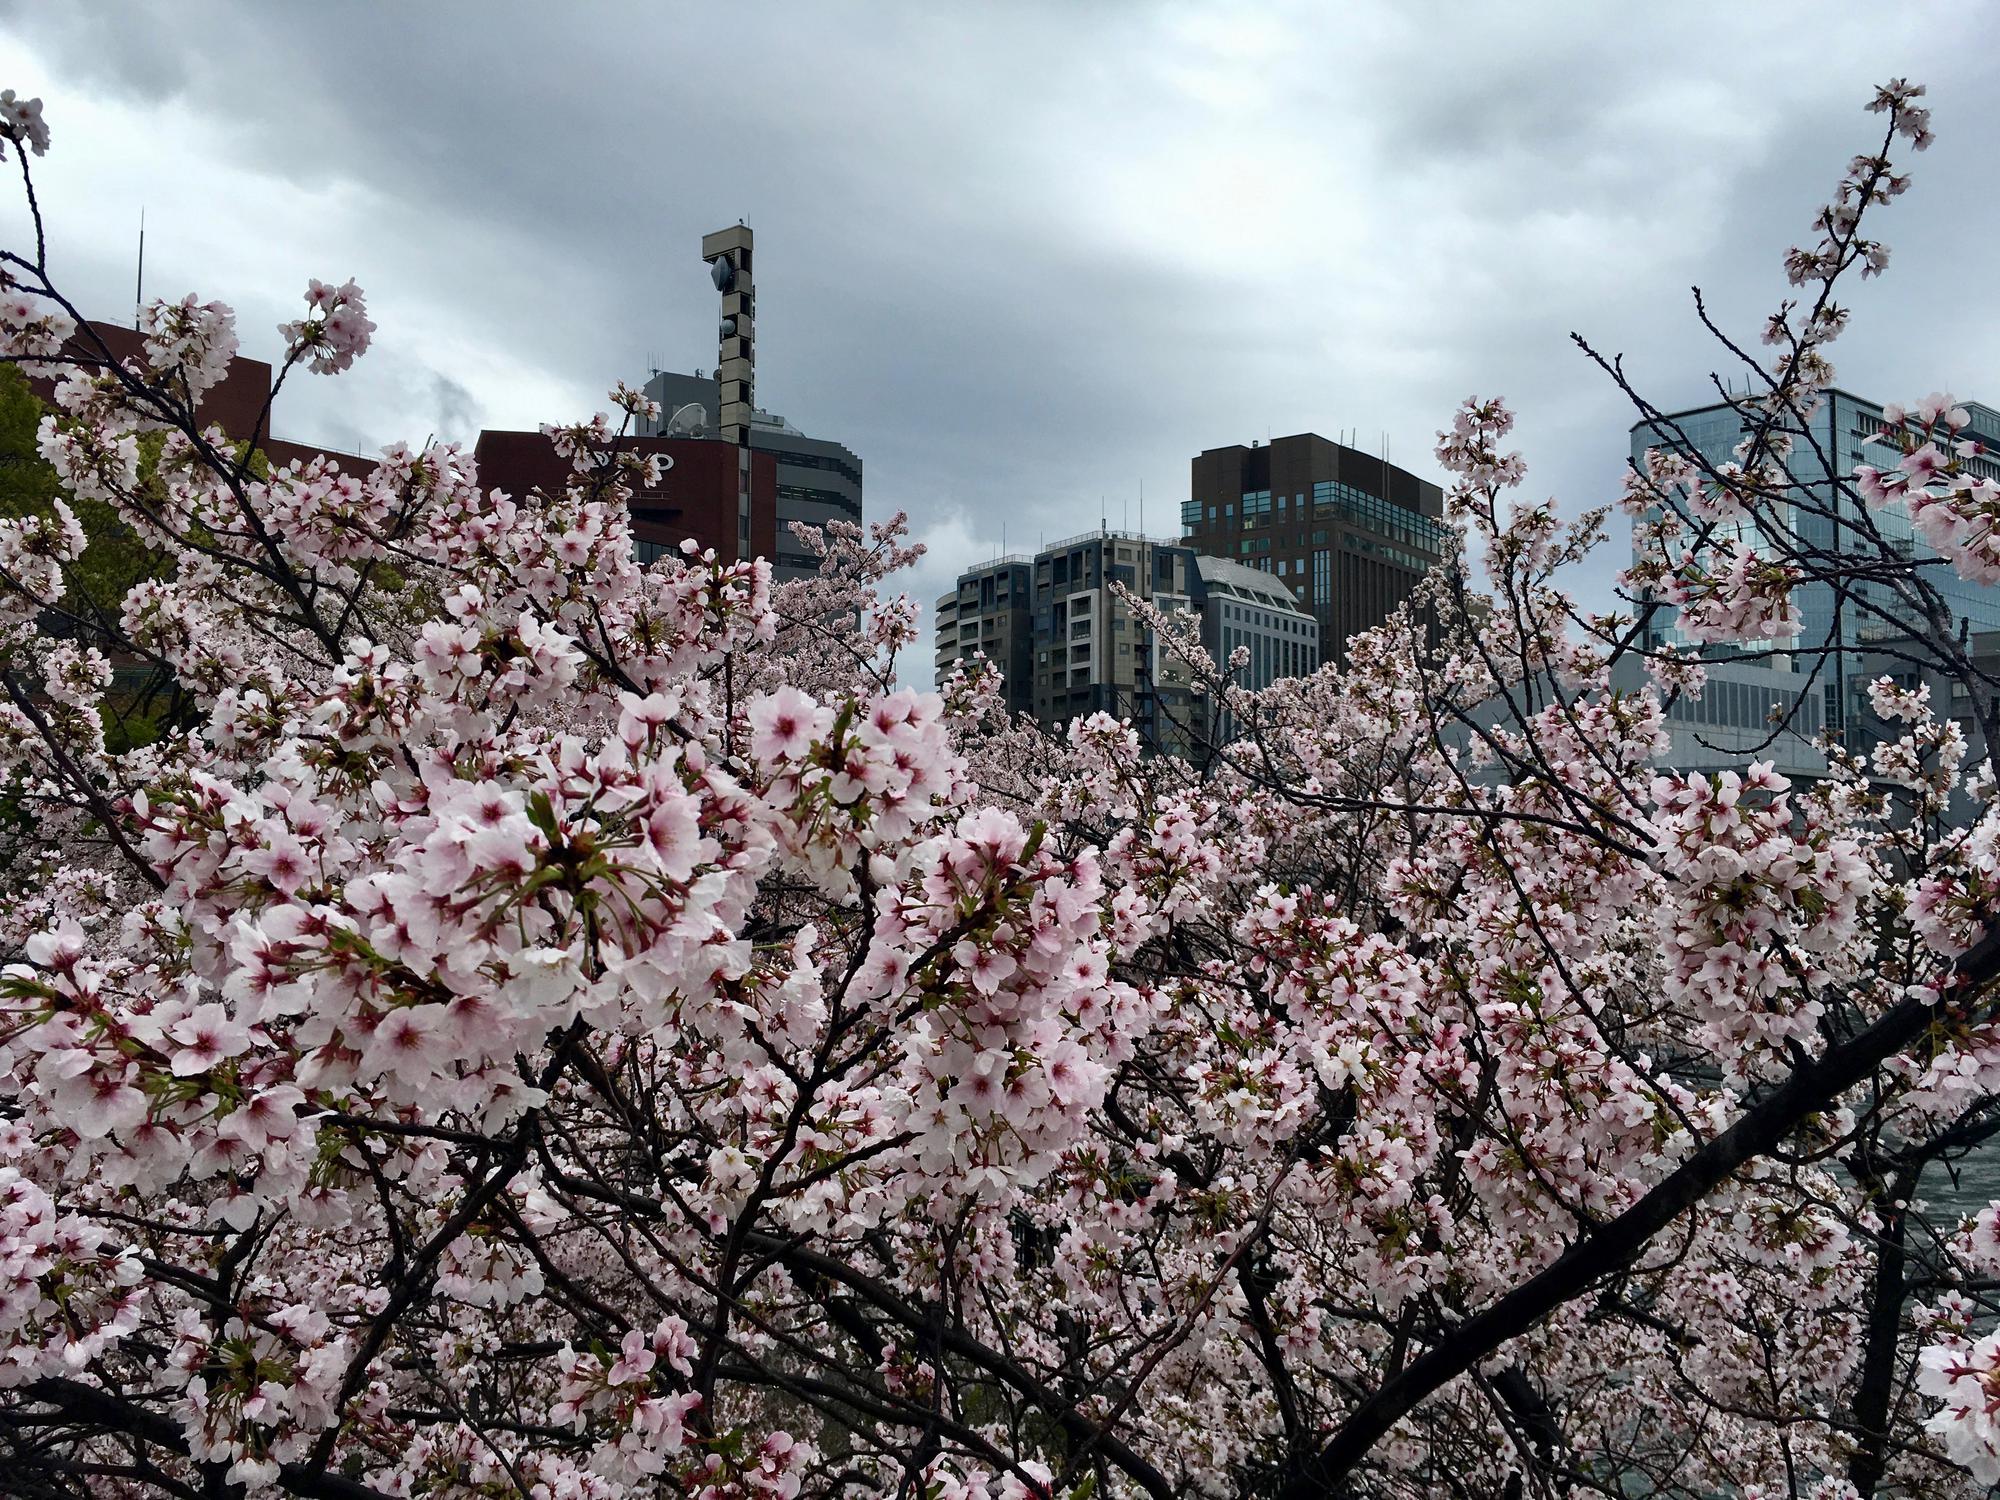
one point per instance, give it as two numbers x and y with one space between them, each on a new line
728 329
723 272
688 421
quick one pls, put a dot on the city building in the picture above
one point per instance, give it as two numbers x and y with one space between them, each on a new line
1093 656
1069 646
991 613
819 480
697 497
1247 607
1347 533
239 403
725 474
1244 606
1737 719
1843 647
1087 652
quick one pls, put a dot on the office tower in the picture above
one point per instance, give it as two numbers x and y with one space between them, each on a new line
1347 533
1069 645
1243 606
991 613
1247 607
1846 643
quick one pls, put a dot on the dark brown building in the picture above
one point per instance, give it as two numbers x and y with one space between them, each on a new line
697 497
236 403
1347 532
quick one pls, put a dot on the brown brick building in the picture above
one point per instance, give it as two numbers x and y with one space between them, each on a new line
1347 532
695 498
236 403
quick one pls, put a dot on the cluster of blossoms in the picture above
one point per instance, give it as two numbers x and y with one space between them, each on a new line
1936 480
32 328
193 341
1744 598
521 1021
21 122
68 1293
1964 1375
1761 892
333 333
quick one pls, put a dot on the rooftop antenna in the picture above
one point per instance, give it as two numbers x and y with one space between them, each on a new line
139 287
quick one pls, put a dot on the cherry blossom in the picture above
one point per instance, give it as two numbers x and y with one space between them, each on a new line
528 1022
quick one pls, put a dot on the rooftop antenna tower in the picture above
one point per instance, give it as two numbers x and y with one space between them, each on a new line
139 287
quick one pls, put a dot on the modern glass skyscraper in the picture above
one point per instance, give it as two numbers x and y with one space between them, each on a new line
1856 629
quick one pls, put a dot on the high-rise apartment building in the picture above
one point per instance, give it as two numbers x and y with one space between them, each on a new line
1087 652
1092 655
1844 645
1068 645
1348 534
992 614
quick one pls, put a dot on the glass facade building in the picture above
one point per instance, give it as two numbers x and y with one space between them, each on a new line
1841 642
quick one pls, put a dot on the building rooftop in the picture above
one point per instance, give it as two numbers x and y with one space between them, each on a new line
1975 408
1233 580
1109 534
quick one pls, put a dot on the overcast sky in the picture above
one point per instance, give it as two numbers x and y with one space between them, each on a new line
1023 259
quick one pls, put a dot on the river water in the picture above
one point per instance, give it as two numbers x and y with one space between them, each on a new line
1978 1185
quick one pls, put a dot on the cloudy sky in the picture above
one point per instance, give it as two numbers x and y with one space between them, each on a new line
1023 258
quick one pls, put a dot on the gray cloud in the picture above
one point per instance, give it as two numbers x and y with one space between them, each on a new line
457 410
1026 258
